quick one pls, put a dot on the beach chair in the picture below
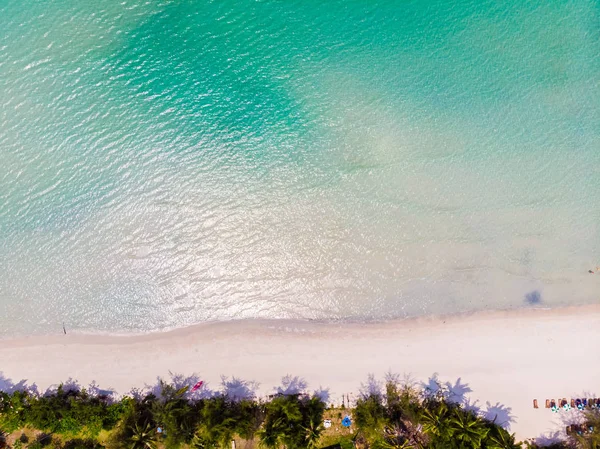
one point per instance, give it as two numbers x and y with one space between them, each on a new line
547 403
535 403
572 403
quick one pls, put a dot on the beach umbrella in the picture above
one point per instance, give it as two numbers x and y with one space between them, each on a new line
346 421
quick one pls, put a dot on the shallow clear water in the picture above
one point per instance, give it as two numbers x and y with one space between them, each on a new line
166 163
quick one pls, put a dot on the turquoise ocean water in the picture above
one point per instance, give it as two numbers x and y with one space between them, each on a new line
164 163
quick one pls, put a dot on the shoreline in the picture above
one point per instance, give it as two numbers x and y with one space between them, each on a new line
349 323
507 358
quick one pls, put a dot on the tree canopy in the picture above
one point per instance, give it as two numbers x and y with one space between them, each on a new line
399 417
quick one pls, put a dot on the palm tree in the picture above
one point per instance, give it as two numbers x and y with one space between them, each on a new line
468 429
313 432
200 442
169 410
142 437
283 424
270 435
436 422
218 421
501 439
312 411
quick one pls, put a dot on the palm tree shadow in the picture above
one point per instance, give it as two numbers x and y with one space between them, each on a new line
499 414
95 390
452 392
371 388
433 386
291 385
178 381
549 439
237 389
323 394
458 391
68 385
8 386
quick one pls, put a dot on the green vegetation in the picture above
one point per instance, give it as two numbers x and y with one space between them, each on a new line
401 417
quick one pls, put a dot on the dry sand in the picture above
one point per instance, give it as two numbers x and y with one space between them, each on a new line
507 359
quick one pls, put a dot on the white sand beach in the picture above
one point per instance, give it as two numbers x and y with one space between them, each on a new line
506 358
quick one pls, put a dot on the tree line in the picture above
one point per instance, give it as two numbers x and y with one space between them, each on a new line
400 417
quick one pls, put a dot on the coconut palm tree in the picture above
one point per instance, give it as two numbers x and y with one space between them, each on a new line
271 434
313 433
498 438
249 416
312 416
169 410
142 437
218 421
283 424
468 429
200 442
436 422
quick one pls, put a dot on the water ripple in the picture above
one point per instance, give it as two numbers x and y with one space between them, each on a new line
165 163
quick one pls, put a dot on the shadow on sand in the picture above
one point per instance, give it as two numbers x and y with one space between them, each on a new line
457 393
